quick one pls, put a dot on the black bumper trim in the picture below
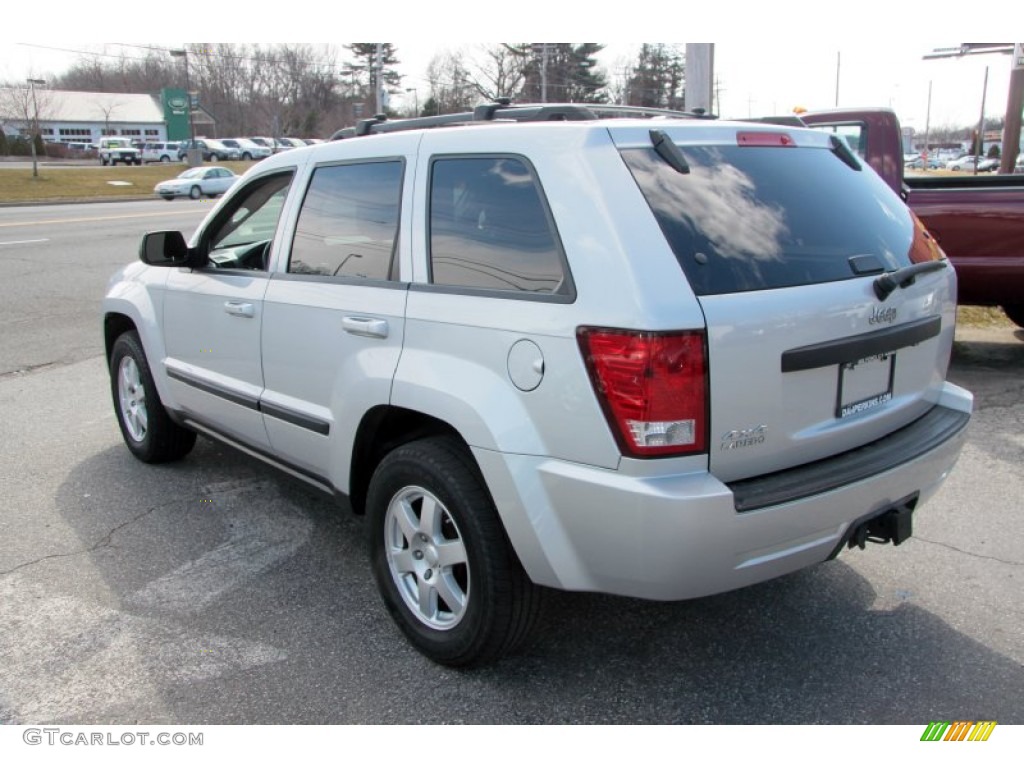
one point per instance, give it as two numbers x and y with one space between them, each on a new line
930 431
854 348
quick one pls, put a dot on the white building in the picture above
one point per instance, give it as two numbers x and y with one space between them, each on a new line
82 116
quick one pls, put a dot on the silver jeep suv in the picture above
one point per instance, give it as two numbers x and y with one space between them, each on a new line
661 358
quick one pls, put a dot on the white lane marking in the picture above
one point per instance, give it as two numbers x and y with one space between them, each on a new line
65 659
259 538
82 219
23 242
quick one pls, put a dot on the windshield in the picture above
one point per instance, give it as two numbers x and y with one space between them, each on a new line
753 218
192 173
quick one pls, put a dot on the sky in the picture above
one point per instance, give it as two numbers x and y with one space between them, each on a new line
769 59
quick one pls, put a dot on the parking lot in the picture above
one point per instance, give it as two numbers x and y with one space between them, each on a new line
216 590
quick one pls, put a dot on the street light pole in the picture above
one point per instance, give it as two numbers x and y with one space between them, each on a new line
182 53
32 83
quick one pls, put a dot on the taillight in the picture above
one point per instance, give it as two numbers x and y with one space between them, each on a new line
652 387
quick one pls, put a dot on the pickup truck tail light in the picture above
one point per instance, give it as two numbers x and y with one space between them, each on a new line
652 387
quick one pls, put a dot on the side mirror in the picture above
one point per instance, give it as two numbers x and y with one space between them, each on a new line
165 249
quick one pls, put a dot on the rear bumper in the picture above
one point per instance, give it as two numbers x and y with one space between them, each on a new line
680 536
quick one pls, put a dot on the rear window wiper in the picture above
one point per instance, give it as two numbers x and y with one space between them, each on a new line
901 278
841 150
669 152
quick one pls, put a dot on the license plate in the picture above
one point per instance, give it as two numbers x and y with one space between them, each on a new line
865 384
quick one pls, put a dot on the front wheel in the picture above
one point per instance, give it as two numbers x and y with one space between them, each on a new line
148 430
1016 313
443 565
195 193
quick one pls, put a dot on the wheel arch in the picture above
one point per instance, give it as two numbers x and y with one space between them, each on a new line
383 429
115 324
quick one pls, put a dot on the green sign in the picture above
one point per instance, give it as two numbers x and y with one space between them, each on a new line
175 104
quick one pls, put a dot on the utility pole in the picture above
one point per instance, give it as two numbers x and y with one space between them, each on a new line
837 77
1014 98
544 73
378 67
1014 109
981 125
927 128
32 83
700 66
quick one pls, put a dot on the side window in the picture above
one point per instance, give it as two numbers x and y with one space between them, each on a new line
241 237
490 228
348 225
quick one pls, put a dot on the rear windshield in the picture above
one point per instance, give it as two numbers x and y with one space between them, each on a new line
753 218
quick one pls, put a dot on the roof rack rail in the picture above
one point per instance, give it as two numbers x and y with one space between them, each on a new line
502 109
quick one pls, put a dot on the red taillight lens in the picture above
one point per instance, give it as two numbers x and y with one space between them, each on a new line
652 386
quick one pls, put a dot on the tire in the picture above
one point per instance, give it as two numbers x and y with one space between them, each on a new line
246 156
148 430
1016 313
103 160
214 157
478 603
195 193
164 159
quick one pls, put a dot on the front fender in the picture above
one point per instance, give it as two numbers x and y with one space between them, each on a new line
136 292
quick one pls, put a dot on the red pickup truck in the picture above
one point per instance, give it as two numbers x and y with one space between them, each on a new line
978 220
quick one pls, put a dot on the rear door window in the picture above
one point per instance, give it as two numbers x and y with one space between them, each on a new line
490 228
749 218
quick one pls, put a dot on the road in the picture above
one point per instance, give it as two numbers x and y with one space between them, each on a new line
56 260
216 590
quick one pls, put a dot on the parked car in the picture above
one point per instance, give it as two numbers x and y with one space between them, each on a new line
965 163
919 163
247 149
212 150
274 145
208 181
118 149
459 358
989 164
160 151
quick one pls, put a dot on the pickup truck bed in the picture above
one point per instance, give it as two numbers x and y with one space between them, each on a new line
977 220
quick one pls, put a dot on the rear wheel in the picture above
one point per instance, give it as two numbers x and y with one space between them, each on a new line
1016 313
443 564
148 430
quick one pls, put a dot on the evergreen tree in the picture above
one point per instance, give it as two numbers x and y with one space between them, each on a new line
364 66
657 78
564 72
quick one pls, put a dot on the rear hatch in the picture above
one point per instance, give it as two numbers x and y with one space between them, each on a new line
789 242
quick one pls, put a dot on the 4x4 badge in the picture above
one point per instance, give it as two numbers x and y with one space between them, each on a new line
879 315
741 438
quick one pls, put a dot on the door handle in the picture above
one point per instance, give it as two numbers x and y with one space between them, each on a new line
239 308
365 326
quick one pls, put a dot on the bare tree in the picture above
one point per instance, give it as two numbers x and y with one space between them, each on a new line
108 105
451 88
496 71
28 108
